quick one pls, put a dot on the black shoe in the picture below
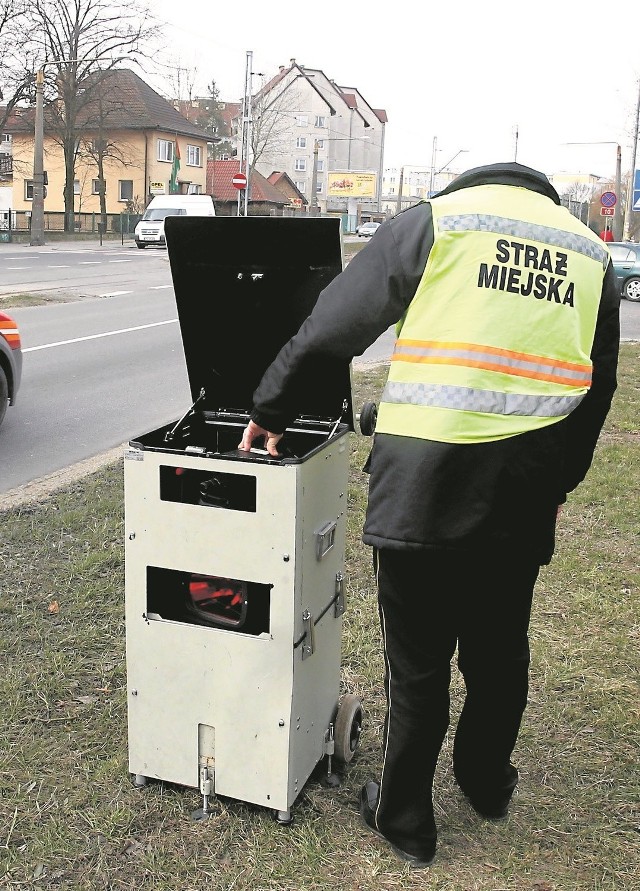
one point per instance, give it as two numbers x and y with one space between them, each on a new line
368 802
489 810
492 806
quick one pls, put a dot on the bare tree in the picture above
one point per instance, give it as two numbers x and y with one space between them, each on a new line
16 73
106 108
81 41
272 112
211 119
577 197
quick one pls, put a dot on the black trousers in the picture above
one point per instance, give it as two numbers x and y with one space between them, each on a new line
429 602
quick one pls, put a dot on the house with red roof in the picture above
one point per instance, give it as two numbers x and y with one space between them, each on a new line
149 149
266 196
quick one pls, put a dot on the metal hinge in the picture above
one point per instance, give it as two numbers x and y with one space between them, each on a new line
309 644
340 601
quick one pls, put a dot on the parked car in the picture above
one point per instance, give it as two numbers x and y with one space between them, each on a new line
366 230
10 362
625 256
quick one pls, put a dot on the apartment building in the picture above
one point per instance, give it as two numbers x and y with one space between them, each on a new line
327 138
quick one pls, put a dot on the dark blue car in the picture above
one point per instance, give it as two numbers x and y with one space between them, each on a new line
10 362
625 257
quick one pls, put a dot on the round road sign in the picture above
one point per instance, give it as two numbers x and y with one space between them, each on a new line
239 181
608 199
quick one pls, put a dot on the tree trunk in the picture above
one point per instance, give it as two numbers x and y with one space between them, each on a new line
101 184
69 195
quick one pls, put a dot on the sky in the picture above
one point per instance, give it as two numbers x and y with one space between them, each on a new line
493 81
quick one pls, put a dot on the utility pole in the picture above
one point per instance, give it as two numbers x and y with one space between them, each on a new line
630 206
433 165
400 188
617 220
247 167
37 203
313 205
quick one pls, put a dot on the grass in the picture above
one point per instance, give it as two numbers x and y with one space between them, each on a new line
71 819
13 301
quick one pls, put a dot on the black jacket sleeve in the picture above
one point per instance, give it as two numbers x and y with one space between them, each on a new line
371 294
583 425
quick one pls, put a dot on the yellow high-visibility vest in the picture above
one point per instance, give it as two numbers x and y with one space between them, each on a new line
497 339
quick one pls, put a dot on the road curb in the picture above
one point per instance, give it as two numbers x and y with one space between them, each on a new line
41 489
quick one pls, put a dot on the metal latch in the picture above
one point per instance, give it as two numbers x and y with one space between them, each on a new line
309 645
207 789
339 606
325 538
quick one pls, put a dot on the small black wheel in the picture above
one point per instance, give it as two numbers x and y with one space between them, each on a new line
347 728
632 289
140 245
368 418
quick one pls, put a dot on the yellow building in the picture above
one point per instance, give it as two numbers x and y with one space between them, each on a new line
144 145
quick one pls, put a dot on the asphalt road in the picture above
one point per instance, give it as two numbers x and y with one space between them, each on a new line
101 370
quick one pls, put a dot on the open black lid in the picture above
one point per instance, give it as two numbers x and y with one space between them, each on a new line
243 287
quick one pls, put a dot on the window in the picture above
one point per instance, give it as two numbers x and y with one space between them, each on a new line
194 189
321 121
76 187
6 137
95 187
320 165
320 143
319 186
165 150
301 142
302 120
301 186
125 190
28 190
301 164
194 156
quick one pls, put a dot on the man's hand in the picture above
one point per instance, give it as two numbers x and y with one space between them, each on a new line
253 431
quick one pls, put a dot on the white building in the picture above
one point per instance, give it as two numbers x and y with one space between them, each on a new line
326 137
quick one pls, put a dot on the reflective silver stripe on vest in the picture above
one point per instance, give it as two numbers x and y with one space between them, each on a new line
486 401
575 376
483 222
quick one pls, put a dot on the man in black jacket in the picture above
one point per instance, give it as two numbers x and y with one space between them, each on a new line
459 529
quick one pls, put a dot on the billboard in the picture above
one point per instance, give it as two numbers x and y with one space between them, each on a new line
351 184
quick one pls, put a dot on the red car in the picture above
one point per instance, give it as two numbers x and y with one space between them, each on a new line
10 362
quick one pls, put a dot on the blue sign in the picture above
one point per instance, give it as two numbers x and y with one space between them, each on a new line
636 191
608 199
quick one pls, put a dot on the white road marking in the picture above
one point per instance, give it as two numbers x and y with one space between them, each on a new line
89 263
115 293
159 287
58 267
18 267
47 346
120 261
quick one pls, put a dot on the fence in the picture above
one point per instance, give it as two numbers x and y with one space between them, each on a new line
84 223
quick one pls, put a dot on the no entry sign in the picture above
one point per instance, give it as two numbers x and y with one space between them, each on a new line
240 181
